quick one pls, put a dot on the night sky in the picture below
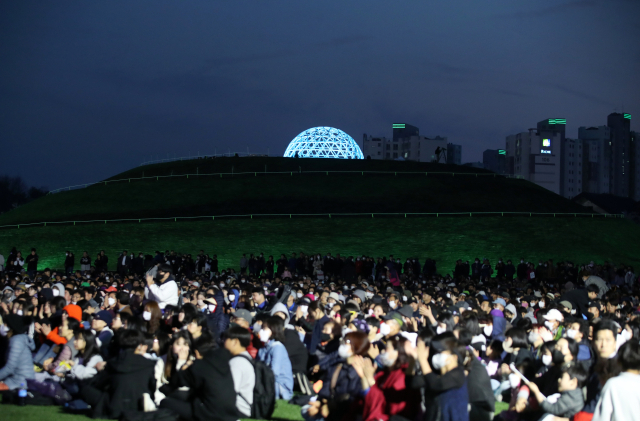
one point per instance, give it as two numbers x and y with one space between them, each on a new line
90 88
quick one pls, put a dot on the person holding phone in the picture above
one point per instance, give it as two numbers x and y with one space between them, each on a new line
163 288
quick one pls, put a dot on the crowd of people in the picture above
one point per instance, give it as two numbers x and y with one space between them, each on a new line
343 337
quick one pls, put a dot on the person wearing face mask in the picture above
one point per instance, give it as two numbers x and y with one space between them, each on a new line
517 348
274 355
443 380
499 322
522 270
18 367
233 296
553 320
386 391
163 289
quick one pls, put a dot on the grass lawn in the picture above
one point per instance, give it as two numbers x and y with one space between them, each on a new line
444 239
284 411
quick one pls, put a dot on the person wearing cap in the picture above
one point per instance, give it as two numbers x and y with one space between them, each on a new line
18 367
164 289
499 321
243 318
553 319
101 325
390 327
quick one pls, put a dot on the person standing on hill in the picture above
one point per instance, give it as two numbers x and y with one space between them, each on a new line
124 263
32 264
69 262
509 271
523 270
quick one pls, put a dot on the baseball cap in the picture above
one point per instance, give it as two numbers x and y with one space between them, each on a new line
554 314
500 301
566 304
243 314
105 316
394 315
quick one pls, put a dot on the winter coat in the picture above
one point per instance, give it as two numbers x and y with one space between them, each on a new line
82 370
447 395
120 385
275 355
211 380
19 366
390 396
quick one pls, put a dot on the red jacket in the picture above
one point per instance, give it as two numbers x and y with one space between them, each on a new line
389 396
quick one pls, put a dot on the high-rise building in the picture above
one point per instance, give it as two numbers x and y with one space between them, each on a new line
635 165
454 154
406 144
495 160
596 177
535 156
571 163
620 131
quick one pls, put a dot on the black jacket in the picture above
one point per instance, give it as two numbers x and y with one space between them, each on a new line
122 383
211 381
298 353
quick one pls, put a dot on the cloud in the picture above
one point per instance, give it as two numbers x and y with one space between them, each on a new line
287 53
582 95
550 10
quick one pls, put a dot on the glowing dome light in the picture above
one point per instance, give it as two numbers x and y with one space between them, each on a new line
323 142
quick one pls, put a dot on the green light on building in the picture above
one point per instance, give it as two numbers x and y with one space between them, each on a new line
398 126
502 152
558 121
627 116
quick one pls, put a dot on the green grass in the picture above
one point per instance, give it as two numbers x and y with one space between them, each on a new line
293 193
444 239
284 411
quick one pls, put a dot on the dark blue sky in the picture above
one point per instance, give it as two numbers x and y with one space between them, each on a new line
89 88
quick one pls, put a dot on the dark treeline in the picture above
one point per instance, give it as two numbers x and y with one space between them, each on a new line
15 192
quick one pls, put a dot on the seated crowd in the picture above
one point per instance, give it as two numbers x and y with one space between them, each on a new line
344 338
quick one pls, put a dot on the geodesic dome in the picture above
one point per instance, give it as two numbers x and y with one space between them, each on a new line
323 142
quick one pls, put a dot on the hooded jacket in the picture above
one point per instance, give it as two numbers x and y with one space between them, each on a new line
19 366
210 378
119 387
298 354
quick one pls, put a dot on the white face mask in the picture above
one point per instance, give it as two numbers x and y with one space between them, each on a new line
385 329
533 337
111 301
19 312
344 351
299 295
369 295
541 304
212 308
386 360
232 298
4 330
488 330
304 309
546 360
571 333
439 360
514 380
200 302
264 335
56 292
440 329
392 304
549 325
146 315
222 284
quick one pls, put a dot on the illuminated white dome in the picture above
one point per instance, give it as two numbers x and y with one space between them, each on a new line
323 142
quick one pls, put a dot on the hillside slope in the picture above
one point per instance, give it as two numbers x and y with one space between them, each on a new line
309 187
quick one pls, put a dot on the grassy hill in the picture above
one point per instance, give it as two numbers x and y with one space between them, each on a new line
320 187
240 186
444 239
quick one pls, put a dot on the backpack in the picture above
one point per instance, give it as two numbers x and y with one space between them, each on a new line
264 391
